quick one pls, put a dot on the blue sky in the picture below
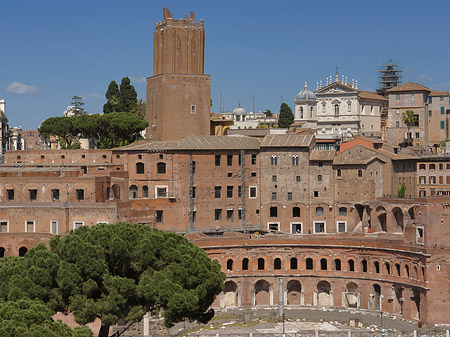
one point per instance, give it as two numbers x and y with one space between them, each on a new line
52 50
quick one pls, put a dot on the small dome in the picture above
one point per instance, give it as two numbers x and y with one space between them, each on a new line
239 110
305 95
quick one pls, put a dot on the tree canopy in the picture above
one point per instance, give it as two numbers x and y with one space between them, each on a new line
30 318
286 117
112 97
128 96
114 271
109 130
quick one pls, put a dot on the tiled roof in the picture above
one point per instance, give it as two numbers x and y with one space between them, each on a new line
322 155
287 140
409 86
196 143
439 93
358 155
371 95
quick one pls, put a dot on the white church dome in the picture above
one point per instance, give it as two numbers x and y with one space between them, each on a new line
239 110
305 95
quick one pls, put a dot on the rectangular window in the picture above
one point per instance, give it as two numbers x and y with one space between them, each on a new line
419 235
422 193
193 166
252 192
297 179
193 109
430 113
274 178
29 226
80 194
417 135
441 180
239 160
341 226
296 228
161 192
54 227
217 192
397 97
33 194
413 96
442 125
442 110
230 214
3 226
10 194
316 194
55 194
229 191
159 216
429 100
194 216
78 224
397 111
239 214
274 196
217 160
447 179
194 191
217 214
319 227
397 124
289 196
229 160
239 191
253 159
273 226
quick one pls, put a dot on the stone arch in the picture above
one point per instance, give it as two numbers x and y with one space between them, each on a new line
398 217
351 295
407 271
398 269
115 192
351 265
229 264
294 289
412 214
324 297
364 266
376 266
415 314
2 252
231 294
133 192
382 218
376 299
387 268
145 191
22 251
262 293
397 304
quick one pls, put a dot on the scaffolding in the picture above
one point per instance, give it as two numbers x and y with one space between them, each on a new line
389 76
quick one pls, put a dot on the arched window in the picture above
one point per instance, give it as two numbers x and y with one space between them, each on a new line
273 212
310 112
407 271
229 264
319 211
296 212
337 264
376 264
336 109
133 192
140 168
295 160
301 112
323 264
260 263
309 263
145 191
277 263
364 266
397 266
359 173
293 263
245 264
273 160
161 168
23 251
351 265
387 266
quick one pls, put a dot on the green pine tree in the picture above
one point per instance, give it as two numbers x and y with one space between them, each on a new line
127 97
112 96
286 117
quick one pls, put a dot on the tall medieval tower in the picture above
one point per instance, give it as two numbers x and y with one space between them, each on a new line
178 93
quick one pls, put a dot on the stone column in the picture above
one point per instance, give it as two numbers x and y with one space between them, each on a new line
285 295
271 297
280 297
331 298
222 299
146 325
302 297
315 298
239 299
358 303
253 298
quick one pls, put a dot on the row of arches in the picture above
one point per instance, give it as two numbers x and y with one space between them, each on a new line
386 220
385 268
22 251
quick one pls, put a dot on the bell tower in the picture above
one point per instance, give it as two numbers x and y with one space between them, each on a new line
178 93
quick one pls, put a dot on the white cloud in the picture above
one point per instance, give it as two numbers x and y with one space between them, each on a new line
20 88
93 95
138 79
425 77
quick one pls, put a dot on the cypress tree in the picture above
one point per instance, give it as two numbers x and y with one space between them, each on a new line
286 117
112 95
128 96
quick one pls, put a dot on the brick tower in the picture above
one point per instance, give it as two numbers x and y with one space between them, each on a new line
178 93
